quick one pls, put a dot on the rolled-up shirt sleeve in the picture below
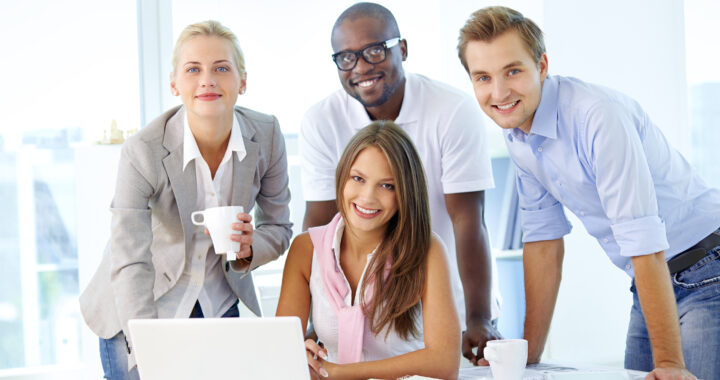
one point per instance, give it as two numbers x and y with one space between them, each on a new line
624 183
542 216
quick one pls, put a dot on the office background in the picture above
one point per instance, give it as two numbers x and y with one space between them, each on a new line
70 68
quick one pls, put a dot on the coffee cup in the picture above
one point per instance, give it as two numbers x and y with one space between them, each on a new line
219 221
507 358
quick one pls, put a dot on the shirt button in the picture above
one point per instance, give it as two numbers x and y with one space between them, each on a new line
628 266
606 240
582 213
539 149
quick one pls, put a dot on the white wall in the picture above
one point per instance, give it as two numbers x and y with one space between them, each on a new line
636 47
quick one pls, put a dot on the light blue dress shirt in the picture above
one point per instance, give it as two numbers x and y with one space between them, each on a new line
596 152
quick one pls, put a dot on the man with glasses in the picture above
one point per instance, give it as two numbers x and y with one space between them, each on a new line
444 124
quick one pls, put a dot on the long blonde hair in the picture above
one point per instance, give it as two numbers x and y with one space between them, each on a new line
396 302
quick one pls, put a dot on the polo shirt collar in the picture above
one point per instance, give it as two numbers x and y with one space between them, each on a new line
408 114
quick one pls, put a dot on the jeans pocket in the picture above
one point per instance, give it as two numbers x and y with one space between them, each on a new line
703 273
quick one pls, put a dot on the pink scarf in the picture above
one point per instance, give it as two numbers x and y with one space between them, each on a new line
352 323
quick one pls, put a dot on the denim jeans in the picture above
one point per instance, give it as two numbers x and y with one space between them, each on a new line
113 351
697 292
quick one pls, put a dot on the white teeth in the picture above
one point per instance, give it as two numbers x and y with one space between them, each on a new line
507 106
366 83
366 211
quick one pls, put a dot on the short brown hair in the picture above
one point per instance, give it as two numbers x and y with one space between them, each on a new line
488 23
396 302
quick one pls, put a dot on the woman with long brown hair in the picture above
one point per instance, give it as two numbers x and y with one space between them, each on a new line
375 278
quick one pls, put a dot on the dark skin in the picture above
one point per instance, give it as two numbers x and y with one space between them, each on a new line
473 258
383 100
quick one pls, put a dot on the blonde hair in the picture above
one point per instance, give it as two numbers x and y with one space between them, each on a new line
488 23
210 28
396 301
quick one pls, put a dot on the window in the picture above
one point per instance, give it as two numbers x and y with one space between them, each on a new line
70 69
703 86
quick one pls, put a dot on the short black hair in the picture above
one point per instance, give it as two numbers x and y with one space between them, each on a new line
373 10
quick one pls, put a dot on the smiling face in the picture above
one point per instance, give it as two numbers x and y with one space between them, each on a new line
368 197
373 85
206 77
506 79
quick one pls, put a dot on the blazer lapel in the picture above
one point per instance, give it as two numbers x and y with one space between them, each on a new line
244 171
183 183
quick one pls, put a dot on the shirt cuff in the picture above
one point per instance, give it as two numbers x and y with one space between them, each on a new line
642 236
544 224
318 193
466 187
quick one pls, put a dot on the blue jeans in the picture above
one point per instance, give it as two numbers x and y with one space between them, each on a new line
697 292
113 351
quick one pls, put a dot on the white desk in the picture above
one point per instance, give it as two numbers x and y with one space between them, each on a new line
545 371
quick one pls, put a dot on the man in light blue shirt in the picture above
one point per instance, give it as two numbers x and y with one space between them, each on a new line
596 152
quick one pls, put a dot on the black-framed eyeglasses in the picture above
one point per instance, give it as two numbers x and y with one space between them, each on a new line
373 54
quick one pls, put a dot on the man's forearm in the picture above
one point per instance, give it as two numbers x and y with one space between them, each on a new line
473 251
474 265
652 280
542 264
318 213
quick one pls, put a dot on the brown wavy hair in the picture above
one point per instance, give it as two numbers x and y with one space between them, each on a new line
396 299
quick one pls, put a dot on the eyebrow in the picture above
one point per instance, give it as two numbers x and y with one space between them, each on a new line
361 174
198 63
509 65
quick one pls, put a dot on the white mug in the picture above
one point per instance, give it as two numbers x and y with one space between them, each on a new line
219 221
507 358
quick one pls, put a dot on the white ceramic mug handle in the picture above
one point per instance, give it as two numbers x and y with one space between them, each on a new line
489 354
195 222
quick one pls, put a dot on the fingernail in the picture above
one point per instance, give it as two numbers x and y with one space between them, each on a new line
323 372
322 355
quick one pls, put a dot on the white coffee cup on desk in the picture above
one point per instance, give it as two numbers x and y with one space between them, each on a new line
507 358
219 221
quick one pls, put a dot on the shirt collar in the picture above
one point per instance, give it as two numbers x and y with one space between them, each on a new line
191 150
545 119
337 238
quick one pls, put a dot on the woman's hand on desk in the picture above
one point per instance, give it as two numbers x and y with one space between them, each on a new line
316 356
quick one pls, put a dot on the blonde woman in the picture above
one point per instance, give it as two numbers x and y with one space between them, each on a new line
375 278
206 153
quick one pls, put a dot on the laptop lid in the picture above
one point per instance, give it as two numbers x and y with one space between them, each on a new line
219 348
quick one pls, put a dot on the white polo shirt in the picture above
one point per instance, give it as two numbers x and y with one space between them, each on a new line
444 123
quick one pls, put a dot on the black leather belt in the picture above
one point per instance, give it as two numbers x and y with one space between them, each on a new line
692 255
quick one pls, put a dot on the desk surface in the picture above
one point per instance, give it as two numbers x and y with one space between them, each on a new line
545 371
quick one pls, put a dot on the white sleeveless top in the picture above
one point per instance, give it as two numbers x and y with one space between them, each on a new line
375 347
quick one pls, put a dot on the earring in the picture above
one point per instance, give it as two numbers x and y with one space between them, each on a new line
175 92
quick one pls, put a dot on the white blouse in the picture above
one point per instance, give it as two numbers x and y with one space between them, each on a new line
375 347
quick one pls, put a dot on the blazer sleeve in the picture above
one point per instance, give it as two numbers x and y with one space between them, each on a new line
132 274
273 228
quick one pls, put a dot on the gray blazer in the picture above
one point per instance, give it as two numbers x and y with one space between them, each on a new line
151 226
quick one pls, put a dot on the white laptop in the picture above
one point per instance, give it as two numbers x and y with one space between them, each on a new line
219 348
